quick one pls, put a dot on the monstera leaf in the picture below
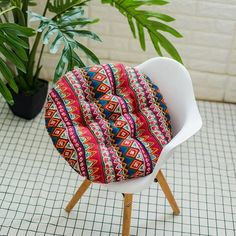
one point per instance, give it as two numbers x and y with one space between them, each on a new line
61 32
12 49
61 6
152 22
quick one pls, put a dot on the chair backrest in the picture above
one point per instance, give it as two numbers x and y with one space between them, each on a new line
176 87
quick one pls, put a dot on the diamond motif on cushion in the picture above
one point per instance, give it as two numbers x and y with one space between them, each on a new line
49 113
114 116
136 164
54 122
103 88
120 123
72 162
58 131
67 153
111 106
127 143
122 134
99 77
95 69
132 152
61 143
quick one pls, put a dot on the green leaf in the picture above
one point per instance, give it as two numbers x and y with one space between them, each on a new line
13 44
141 35
155 43
8 76
56 43
12 57
73 18
131 24
17 29
61 6
13 48
7 10
36 17
152 2
63 32
77 61
69 58
42 26
13 38
60 66
166 44
85 33
149 20
157 15
49 34
166 28
22 83
6 93
79 22
17 13
88 53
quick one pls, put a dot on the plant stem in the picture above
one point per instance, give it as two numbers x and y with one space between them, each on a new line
34 50
46 8
40 56
32 58
24 10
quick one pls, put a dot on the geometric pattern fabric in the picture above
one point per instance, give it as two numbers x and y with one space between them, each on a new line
109 122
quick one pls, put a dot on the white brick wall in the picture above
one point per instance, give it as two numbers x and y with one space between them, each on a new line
208 47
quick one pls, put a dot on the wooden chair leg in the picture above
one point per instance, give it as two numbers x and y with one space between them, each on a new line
128 199
83 187
166 189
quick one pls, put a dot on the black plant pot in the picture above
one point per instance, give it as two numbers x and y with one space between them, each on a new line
29 106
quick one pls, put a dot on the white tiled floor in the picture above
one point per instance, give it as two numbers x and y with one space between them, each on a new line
35 185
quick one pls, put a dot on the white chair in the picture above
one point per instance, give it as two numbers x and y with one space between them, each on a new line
176 87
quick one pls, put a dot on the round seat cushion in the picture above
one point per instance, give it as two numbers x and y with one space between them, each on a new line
109 122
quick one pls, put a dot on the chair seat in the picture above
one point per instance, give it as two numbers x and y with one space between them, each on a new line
109 122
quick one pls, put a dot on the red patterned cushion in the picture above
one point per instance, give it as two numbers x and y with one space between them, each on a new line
108 121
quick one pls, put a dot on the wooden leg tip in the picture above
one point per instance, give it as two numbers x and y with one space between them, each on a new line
67 210
176 213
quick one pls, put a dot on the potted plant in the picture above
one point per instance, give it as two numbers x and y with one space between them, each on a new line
19 66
